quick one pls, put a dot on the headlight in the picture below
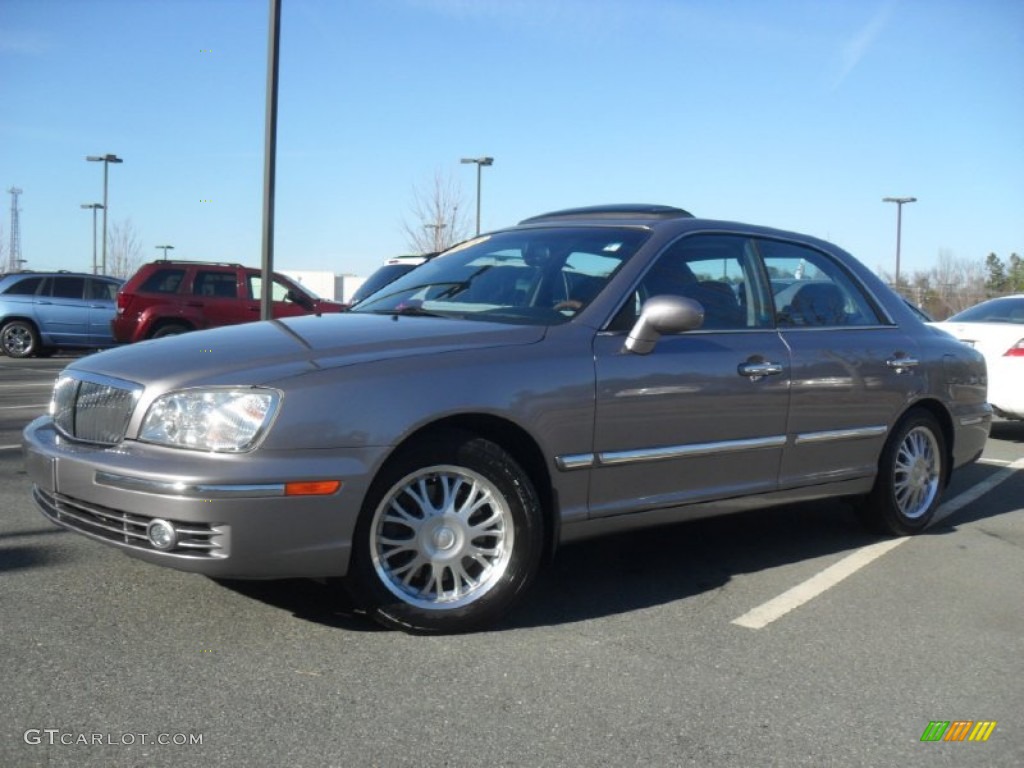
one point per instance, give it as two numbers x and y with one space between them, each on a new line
224 420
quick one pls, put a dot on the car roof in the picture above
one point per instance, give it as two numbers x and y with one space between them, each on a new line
620 211
65 272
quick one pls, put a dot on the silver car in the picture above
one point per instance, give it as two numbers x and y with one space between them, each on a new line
585 372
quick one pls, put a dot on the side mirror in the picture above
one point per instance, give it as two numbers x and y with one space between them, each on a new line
661 315
297 297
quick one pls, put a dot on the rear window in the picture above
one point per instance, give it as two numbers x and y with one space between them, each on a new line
1005 310
164 280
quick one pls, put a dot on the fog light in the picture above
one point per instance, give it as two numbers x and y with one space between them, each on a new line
162 535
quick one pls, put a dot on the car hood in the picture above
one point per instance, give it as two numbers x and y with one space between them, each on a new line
262 352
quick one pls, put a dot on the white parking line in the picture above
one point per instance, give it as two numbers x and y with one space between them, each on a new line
8 447
764 614
13 407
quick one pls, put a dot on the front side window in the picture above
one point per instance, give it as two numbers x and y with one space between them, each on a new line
102 290
279 290
721 272
532 276
810 290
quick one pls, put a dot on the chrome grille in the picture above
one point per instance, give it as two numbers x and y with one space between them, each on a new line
93 408
194 539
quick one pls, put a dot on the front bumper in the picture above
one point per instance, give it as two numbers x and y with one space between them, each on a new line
230 513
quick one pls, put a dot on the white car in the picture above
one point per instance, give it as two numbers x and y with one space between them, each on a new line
996 329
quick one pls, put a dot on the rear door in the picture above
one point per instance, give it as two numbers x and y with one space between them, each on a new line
62 310
853 369
214 300
101 296
703 415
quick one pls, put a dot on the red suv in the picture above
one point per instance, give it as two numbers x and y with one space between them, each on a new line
167 297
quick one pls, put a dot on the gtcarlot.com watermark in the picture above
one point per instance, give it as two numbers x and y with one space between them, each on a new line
55 736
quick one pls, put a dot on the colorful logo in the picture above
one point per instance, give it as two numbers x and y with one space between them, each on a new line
958 730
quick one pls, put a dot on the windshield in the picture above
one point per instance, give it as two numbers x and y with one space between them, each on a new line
386 274
533 276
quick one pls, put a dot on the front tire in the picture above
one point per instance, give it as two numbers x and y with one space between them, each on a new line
911 475
19 338
450 535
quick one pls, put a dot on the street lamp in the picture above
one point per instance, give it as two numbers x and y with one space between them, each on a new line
106 160
480 163
166 248
437 234
899 227
95 207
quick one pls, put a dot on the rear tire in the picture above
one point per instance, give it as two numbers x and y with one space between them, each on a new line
449 536
171 329
19 338
911 475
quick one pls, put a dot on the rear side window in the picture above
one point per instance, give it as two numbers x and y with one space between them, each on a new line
25 287
68 287
163 281
811 290
215 284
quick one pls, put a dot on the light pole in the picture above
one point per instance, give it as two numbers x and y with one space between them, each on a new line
106 160
899 227
95 207
437 234
165 248
480 163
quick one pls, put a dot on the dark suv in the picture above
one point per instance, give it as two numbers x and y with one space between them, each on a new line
168 297
40 311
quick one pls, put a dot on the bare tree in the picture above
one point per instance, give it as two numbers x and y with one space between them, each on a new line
124 249
951 285
438 216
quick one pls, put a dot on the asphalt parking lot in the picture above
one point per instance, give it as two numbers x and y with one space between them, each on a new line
783 637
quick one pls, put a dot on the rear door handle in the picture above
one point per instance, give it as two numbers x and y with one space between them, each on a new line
755 371
902 364
194 304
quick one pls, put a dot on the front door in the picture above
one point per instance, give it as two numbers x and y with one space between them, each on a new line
703 415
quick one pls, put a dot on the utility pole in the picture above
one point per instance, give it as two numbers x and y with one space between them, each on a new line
14 256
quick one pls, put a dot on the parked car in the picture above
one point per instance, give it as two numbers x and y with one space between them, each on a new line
388 272
996 329
41 311
168 297
579 374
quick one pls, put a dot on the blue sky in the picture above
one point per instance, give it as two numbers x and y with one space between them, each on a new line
797 114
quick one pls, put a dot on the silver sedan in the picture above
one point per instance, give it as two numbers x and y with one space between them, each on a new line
585 372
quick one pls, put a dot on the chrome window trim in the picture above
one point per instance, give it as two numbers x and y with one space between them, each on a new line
840 434
185 491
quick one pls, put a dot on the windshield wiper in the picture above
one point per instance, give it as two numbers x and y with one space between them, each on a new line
410 310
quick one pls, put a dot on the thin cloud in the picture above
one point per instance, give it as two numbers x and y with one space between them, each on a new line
856 48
